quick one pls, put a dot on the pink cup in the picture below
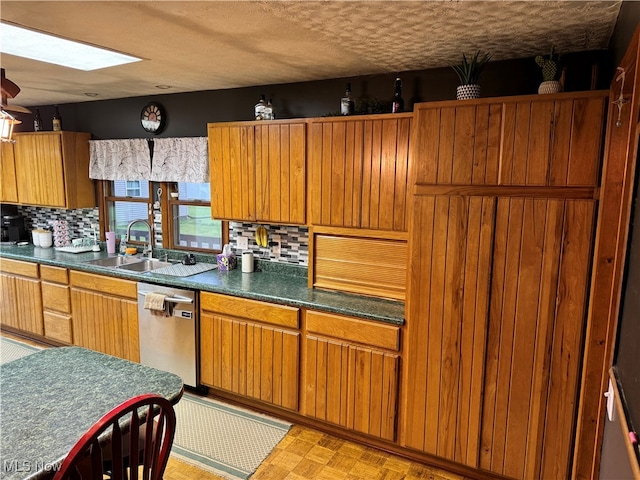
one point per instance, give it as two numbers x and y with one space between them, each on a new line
111 242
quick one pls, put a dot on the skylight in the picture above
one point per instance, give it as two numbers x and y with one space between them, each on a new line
25 43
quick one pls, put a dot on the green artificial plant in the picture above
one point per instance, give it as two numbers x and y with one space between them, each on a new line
549 66
469 70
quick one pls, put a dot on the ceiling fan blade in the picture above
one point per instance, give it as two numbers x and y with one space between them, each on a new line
15 108
9 89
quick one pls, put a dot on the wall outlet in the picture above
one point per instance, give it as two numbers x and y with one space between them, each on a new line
243 243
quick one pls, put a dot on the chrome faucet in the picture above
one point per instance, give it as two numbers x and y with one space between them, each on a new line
149 248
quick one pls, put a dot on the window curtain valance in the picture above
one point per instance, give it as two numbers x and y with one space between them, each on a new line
159 160
180 160
126 159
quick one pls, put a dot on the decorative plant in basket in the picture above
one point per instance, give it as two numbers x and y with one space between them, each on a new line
468 71
550 73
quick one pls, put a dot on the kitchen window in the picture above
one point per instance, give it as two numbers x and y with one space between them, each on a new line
190 226
125 201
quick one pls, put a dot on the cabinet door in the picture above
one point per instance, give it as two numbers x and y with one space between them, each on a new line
280 172
539 292
8 186
250 359
39 169
352 386
8 301
232 167
538 141
447 317
358 172
105 323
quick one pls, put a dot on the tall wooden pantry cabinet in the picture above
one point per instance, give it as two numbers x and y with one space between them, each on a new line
501 231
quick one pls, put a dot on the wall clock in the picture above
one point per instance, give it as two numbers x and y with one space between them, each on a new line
153 118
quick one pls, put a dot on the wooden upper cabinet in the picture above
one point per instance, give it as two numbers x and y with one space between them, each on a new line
52 169
537 140
8 186
259 171
358 171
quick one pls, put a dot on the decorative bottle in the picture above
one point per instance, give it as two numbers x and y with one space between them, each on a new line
269 111
37 121
57 121
398 103
346 103
260 107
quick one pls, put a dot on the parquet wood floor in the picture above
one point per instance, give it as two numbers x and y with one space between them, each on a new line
306 454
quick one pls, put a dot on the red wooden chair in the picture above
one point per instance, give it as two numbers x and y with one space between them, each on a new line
142 427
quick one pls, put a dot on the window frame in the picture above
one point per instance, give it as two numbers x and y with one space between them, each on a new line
167 205
106 195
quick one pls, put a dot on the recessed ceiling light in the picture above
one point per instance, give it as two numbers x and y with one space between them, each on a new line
163 87
25 43
91 94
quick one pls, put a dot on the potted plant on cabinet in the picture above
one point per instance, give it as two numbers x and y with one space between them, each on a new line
468 71
550 73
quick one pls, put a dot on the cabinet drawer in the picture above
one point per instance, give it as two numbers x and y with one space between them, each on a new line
355 330
58 327
250 309
17 267
54 274
102 284
56 297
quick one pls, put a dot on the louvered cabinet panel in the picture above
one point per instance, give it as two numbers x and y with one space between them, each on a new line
232 159
352 386
250 359
358 171
539 292
451 242
549 140
280 172
8 186
105 323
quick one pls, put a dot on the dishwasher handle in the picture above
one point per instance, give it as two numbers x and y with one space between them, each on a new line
173 299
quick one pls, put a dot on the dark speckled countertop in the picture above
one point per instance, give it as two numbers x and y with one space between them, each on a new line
273 283
50 398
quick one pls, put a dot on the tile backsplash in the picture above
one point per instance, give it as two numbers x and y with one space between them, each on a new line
80 220
294 240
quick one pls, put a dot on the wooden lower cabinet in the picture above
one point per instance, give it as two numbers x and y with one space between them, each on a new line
56 303
105 314
250 348
20 296
349 378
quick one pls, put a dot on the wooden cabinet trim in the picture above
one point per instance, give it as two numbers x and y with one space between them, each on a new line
351 329
17 267
251 309
584 193
54 274
103 284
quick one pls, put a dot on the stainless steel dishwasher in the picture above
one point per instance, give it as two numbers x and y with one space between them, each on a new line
168 339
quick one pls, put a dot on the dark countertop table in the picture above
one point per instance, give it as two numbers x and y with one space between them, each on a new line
51 398
271 284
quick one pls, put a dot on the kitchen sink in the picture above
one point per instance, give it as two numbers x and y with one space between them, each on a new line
145 265
134 264
114 262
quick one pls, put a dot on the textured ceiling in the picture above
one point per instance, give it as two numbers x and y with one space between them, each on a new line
209 45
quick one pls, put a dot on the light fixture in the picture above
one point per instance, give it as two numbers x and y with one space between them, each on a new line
19 41
7 122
